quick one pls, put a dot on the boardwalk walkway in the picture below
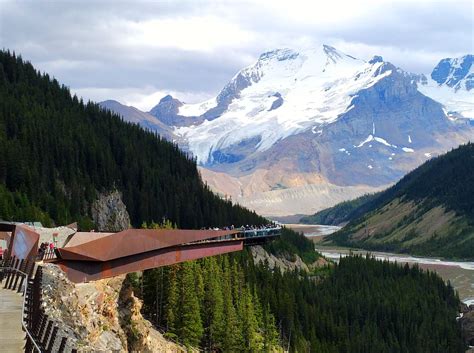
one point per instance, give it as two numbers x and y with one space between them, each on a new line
12 337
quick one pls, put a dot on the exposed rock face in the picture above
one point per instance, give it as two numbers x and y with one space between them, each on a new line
101 316
260 255
110 213
451 72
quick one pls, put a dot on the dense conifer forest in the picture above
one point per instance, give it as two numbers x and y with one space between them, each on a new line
362 305
58 153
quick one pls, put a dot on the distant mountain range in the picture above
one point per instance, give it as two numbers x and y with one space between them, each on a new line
299 131
430 211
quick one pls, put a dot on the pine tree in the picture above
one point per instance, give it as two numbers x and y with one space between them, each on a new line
270 334
232 336
213 306
190 329
172 297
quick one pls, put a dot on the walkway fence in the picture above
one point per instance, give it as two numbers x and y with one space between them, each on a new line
41 331
48 254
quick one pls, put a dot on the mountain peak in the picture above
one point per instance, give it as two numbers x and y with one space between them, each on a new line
279 54
451 71
335 55
166 106
376 59
167 98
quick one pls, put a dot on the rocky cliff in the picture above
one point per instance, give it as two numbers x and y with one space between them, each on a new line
110 213
260 255
101 316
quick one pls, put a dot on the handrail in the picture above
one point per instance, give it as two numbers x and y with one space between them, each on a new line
25 288
241 235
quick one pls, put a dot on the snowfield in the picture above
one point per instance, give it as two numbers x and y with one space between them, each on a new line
316 86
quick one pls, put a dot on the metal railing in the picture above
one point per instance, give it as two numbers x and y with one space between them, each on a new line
40 331
261 232
243 234
11 279
48 254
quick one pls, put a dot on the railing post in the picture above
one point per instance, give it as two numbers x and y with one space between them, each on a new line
11 274
5 269
45 339
52 339
18 274
62 346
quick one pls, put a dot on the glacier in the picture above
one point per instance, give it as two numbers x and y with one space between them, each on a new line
316 86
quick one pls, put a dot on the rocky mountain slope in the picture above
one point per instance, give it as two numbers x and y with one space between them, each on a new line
341 213
452 84
133 115
428 212
324 119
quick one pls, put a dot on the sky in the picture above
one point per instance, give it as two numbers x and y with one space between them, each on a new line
138 51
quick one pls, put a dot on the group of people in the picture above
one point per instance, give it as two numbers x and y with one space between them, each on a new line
44 248
248 227
261 227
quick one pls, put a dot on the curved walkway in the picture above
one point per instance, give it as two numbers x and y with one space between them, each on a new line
12 337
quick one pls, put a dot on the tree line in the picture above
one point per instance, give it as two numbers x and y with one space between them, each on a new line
58 153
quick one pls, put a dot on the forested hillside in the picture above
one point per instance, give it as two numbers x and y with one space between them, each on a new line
430 211
342 212
58 153
363 305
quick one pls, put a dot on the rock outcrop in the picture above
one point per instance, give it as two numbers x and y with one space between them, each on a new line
260 255
467 325
110 213
101 316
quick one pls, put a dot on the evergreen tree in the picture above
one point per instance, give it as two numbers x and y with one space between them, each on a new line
189 328
172 298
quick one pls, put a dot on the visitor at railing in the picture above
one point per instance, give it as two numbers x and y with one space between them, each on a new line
46 251
247 231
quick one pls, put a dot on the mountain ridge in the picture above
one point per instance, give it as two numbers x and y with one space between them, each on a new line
430 211
319 112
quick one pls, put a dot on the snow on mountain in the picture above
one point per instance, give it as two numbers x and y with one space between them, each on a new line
452 84
287 92
197 109
297 125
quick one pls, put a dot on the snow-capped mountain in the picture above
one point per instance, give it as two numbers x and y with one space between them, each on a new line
284 93
452 84
300 130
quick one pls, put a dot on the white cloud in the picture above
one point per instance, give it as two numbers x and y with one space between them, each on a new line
136 51
141 98
206 34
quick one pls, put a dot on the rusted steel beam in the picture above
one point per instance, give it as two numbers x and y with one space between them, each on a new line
23 242
133 241
84 271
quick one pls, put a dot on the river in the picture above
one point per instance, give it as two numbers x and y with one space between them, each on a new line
460 274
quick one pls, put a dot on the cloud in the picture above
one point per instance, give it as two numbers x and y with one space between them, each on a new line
143 98
134 51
